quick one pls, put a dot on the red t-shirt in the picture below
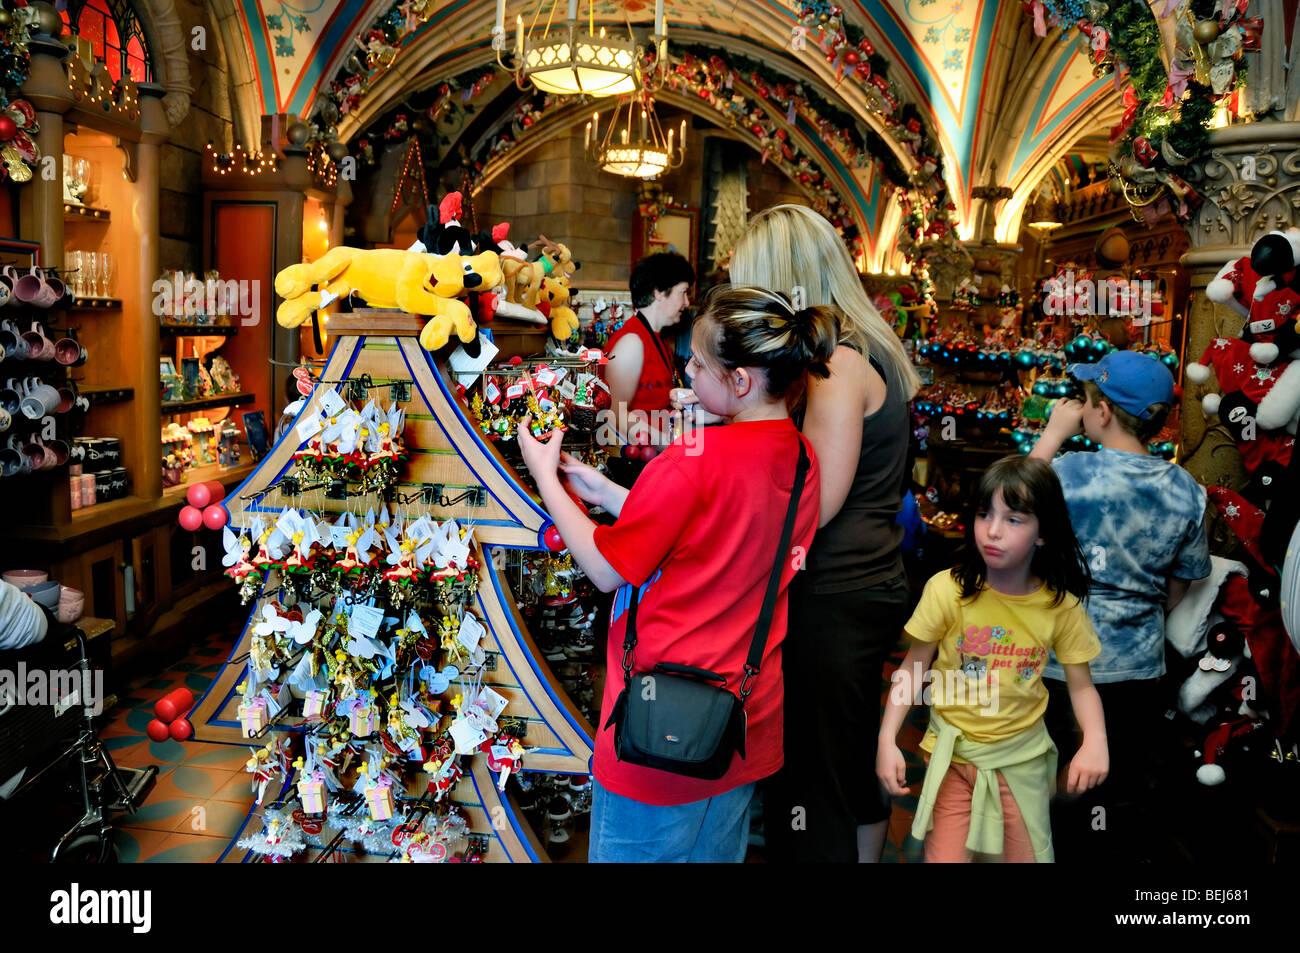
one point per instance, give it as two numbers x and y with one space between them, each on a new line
699 533
658 375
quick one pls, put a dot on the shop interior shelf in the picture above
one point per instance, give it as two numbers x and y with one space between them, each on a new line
96 304
84 213
205 403
107 394
198 330
210 471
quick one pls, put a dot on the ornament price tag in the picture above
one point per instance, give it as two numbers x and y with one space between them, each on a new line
309 428
471 632
365 621
332 403
466 736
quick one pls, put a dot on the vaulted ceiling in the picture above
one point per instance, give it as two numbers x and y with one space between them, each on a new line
998 102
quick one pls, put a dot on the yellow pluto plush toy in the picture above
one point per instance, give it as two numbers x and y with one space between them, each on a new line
418 283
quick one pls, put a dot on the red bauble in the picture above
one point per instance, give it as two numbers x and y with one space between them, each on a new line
553 540
8 128
851 57
191 518
157 730
216 492
200 495
174 704
214 517
181 730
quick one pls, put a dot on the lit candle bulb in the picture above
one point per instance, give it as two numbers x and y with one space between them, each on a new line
670 141
624 137
519 37
643 124
586 142
683 136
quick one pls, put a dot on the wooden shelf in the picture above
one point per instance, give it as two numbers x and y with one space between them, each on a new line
107 395
96 304
84 213
209 471
198 330
238 399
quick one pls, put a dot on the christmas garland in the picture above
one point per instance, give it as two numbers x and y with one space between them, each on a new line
929 223
1166 118
18 150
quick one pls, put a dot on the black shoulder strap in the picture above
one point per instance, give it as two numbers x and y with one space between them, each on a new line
765 614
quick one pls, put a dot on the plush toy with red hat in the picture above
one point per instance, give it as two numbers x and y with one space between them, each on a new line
1264 288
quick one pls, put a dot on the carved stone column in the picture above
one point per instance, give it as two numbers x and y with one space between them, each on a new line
1251 185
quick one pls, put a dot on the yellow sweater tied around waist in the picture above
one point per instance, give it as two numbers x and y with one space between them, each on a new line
1027 762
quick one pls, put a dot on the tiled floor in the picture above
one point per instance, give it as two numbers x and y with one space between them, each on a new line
202 797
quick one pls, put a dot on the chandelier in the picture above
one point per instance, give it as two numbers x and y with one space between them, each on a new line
574 58
634 145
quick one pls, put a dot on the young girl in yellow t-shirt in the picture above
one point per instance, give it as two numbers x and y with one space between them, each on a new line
1013 597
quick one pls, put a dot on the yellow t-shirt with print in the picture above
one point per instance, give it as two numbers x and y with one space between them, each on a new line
986 680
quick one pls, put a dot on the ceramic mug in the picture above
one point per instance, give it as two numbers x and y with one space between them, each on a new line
62 289
33 289
60 450
46 593
39 347
8 278
11 397
12 459
69 352
40 456
24 579
72 602
39 399
11 339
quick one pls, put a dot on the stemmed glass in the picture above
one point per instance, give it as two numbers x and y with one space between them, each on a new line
91 261
76 275
106 264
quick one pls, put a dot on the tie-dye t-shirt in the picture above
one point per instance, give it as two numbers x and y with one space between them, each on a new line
1140 520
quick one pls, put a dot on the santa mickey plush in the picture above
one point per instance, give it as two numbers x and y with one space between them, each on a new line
1258 374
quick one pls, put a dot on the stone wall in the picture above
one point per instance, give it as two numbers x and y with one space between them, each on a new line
556 191
180 209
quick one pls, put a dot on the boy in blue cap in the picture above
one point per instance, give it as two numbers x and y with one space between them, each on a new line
1141 523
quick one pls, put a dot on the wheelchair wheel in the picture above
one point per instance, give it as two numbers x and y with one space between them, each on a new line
89 849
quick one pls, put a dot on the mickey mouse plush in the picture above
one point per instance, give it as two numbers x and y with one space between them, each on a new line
1264 288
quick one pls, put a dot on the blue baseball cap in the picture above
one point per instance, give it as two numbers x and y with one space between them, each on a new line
1133 381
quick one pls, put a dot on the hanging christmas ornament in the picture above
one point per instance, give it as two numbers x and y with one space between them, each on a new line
1206 31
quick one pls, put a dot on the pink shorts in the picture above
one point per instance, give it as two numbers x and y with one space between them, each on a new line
946 842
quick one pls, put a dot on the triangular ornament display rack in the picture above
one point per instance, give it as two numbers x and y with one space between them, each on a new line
445 448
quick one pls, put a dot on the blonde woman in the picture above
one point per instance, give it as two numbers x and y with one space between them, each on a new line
848 607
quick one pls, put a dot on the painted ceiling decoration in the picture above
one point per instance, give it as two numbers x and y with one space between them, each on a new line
911 84
1174 63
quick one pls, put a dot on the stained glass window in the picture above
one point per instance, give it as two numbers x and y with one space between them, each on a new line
114 33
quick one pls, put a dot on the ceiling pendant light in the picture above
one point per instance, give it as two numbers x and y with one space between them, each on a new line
634 144
575 58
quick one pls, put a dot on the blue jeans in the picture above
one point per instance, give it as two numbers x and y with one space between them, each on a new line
624 831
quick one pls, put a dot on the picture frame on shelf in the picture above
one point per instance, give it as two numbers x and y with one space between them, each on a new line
190 372
259 438
166 367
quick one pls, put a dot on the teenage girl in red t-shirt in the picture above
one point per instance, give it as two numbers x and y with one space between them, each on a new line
694 543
